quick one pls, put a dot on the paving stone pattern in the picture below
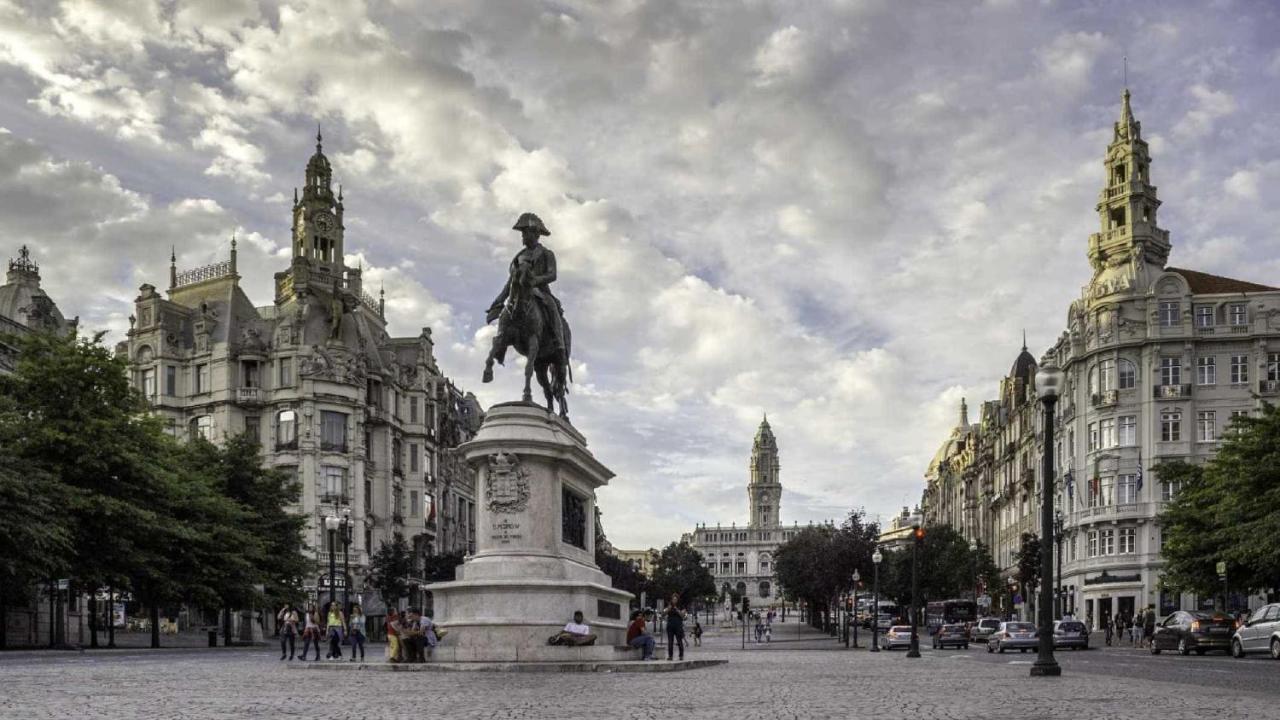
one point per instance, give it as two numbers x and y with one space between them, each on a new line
807 677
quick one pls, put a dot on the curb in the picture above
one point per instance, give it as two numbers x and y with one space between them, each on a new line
634 666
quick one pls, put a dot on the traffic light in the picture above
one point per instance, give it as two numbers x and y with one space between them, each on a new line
746 605
918 534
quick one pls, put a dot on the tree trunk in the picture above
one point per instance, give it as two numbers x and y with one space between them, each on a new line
4 618
93 618
155 625
226 626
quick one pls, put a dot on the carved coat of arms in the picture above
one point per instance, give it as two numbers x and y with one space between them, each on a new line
507 486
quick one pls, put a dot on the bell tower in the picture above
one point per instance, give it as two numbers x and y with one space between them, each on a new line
317 216
1127 204
765 488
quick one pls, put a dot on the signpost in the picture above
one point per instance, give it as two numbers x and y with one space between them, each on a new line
1222 575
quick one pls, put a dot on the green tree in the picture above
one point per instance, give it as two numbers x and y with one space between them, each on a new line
817 564
1227 510
947 568
624 574
441 568
389 570
1027 558
680 569
35 541
68 410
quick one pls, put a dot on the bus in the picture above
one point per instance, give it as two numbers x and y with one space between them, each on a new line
945 612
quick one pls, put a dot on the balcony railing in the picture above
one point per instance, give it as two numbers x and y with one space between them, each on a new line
330 446
249 396
1106 398
335 499
376 415
1172 391
1268 387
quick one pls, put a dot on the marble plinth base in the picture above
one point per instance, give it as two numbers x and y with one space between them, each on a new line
535 561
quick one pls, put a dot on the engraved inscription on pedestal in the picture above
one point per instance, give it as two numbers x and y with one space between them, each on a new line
505 531
507 488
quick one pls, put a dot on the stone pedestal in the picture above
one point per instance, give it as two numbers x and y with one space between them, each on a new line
535 546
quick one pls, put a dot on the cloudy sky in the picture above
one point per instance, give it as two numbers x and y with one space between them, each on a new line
841 213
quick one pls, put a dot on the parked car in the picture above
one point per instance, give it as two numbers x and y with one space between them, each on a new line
1013 636
954 635
1070 634
1187 631
885 622
1260 633
898 636
982 629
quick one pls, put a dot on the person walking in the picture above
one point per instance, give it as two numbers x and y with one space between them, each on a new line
1149 625
334 626
310 633
287 621
697 634
430 638
675 627
355 630
1107 627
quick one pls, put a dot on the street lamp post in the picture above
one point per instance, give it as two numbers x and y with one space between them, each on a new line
331 525
1048 384
973 569
917 537
1059 594
346 526
876 557
856 579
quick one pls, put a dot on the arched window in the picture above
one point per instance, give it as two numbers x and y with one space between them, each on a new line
144 354
1128 375
764 589
742 588
202 427
286 429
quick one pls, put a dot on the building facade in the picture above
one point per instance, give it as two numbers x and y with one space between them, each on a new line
741 558
365 421
1158 360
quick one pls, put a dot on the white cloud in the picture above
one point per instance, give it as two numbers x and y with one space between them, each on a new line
836 213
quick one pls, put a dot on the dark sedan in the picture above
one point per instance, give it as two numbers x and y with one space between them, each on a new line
1070 634
1193 631
954 635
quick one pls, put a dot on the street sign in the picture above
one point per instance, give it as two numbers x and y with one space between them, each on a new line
339 582
64 583
1222 568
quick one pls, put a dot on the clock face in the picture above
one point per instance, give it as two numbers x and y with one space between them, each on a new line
324 222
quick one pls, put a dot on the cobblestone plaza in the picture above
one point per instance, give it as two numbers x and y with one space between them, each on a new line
811 677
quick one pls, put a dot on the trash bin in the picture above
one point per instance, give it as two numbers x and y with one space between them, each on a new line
213 638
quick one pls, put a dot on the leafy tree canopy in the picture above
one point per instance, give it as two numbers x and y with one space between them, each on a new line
679 568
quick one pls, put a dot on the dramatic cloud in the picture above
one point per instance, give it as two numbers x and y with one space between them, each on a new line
843 214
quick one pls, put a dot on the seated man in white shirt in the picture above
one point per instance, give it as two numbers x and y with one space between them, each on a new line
575 633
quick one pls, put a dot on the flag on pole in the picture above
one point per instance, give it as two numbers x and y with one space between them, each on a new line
1139 478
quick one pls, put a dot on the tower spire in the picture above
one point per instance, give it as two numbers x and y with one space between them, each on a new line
964 414
1024 339
318 137
173 266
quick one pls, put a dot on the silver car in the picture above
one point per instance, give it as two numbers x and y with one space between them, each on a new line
1013 636
983 629
898 636
1260 633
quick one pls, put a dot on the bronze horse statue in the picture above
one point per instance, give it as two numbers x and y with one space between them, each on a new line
523 324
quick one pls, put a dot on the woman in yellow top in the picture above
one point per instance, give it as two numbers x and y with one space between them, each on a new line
393 635
336 624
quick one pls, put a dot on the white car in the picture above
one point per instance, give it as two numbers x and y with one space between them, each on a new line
1260 633
898 636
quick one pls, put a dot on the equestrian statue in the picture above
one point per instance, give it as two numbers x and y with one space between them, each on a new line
531 320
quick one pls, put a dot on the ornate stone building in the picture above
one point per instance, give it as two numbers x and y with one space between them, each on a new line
741 558
25 306
364 420
1158 361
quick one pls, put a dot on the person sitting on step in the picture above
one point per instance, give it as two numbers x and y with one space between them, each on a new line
575 633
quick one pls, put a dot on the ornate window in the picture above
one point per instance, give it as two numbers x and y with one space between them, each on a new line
202 427
333 431
1128 375
1206 371
1239 369
286 429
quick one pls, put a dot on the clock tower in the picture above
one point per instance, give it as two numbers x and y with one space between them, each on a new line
317 217
765 489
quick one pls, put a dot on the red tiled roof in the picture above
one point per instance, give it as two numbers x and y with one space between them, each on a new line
1206 284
